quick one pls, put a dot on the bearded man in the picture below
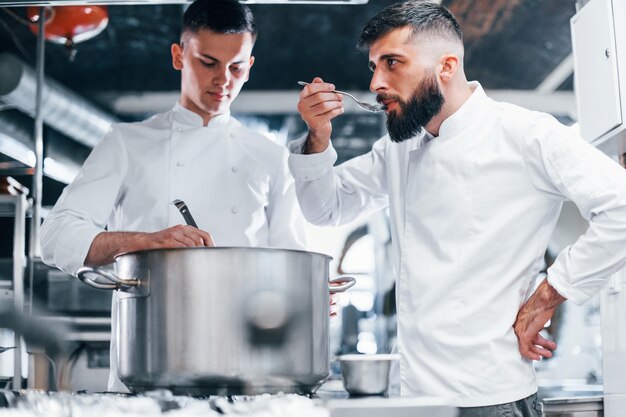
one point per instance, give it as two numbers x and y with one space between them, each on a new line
474 189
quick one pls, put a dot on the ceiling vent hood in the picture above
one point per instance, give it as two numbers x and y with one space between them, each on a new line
14 3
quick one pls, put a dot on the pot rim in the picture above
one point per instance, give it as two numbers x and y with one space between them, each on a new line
222 248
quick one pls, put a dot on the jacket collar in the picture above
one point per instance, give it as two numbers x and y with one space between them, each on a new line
466 114
184 116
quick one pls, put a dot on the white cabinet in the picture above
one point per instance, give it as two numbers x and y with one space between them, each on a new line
599 47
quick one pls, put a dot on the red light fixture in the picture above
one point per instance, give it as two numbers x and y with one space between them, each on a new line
69 25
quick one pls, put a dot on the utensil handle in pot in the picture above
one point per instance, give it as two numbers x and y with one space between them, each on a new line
345 283
116 282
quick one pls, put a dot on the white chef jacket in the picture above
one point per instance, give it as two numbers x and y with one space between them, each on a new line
472 212
234 181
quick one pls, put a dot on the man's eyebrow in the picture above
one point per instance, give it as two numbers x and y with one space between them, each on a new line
210 57
387 56
217 60
382 58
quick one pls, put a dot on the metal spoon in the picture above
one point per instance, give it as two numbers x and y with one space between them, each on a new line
182 207
366 106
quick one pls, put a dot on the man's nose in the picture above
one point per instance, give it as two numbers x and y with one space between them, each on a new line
222 78
378 81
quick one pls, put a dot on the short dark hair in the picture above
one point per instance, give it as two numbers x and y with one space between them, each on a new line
425 17
220 16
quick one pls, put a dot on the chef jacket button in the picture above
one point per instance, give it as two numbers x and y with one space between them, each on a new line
179 129
234 210
180 164
234 169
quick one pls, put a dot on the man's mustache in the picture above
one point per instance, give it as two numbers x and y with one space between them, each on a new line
383 97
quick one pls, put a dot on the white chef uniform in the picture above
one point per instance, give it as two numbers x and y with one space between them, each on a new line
234 181
472 211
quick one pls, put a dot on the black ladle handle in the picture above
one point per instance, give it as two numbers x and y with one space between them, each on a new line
182 207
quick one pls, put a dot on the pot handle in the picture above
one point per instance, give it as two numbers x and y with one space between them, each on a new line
116 282
346 282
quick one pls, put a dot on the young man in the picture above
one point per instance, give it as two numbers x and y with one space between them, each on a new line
474 189
234 181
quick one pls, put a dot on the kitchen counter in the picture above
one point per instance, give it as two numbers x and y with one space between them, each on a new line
591 406
568 388
162 403
331 400
389 407
571 398
333 397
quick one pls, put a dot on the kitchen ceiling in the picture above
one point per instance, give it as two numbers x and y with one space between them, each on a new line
510 44
518 49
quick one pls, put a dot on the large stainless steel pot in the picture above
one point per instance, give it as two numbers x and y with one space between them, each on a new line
221 320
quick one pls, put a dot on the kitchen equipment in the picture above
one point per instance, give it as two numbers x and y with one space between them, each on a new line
163 403
366 106
4 349
366 374
66 295
573 407
188 319
182 207
36 333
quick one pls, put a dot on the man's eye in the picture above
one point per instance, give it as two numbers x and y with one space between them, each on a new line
236 69
208 64
372 67
391 62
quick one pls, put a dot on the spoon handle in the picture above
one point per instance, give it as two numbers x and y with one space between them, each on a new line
182 207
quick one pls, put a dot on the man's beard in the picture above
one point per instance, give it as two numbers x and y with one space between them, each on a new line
425 102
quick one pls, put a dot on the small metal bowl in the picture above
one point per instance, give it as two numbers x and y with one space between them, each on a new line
366 374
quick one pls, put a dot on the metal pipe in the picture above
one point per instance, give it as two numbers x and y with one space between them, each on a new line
34 244
63 156
62 109
19 239
35 247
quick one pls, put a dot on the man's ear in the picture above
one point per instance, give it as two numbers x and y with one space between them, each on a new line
448 67
250 67
177 56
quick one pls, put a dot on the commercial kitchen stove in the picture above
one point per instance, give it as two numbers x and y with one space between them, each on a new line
163 403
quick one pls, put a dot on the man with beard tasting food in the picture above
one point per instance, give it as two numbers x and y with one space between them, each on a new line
474 188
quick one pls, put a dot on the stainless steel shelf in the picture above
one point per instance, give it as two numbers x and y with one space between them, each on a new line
89 336
80 321
16 206
82 329
8 209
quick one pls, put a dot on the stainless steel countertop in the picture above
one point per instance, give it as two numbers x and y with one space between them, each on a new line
333 397
573 404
